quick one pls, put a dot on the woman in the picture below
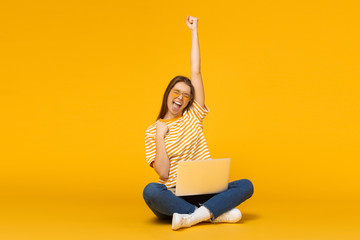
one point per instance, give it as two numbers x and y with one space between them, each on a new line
177 135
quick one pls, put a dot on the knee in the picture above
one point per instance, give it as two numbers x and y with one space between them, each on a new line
151 190
248 186
245 185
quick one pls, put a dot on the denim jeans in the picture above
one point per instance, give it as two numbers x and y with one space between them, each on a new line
164 203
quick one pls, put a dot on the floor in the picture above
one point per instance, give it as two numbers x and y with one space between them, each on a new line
70 218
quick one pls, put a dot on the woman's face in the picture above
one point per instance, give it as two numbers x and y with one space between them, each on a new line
178 98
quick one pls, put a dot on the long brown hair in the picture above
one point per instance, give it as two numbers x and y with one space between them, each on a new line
173 82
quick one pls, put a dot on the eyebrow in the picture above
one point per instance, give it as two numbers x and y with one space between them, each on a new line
181 91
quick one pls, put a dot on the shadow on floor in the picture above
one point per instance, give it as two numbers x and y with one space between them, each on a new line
249 216
245 217
156 220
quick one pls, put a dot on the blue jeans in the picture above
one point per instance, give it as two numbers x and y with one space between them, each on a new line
164 203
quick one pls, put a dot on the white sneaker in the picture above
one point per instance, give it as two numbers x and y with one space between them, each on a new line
232 216
180 221
187 220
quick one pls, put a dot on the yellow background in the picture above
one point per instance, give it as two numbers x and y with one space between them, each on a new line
82 80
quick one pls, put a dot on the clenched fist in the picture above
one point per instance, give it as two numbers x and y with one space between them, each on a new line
161 129
191 22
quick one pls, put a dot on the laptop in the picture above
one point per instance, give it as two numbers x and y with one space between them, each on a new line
202 176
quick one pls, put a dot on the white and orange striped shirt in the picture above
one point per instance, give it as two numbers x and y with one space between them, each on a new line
185 140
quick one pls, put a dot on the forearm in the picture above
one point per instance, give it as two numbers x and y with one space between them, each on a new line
162 163
196 78
195 52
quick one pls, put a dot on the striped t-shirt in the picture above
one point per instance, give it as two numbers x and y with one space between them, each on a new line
185 140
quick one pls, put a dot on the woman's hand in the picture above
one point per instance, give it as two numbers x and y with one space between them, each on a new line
192 22
161 129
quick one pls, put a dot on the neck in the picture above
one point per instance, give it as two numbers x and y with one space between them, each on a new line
169 115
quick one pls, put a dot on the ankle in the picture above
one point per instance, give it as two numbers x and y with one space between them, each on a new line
203 213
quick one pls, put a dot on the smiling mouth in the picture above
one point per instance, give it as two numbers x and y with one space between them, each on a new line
176 106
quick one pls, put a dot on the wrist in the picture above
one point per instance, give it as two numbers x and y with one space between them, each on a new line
158 137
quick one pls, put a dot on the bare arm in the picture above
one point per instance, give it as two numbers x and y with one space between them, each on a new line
161 164
196 78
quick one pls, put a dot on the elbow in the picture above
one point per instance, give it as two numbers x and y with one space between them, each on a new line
164 175
196 72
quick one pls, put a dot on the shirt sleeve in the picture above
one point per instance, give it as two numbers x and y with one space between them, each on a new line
197 111
150 148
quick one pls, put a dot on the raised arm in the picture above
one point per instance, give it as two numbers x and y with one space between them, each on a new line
161 164
196 78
